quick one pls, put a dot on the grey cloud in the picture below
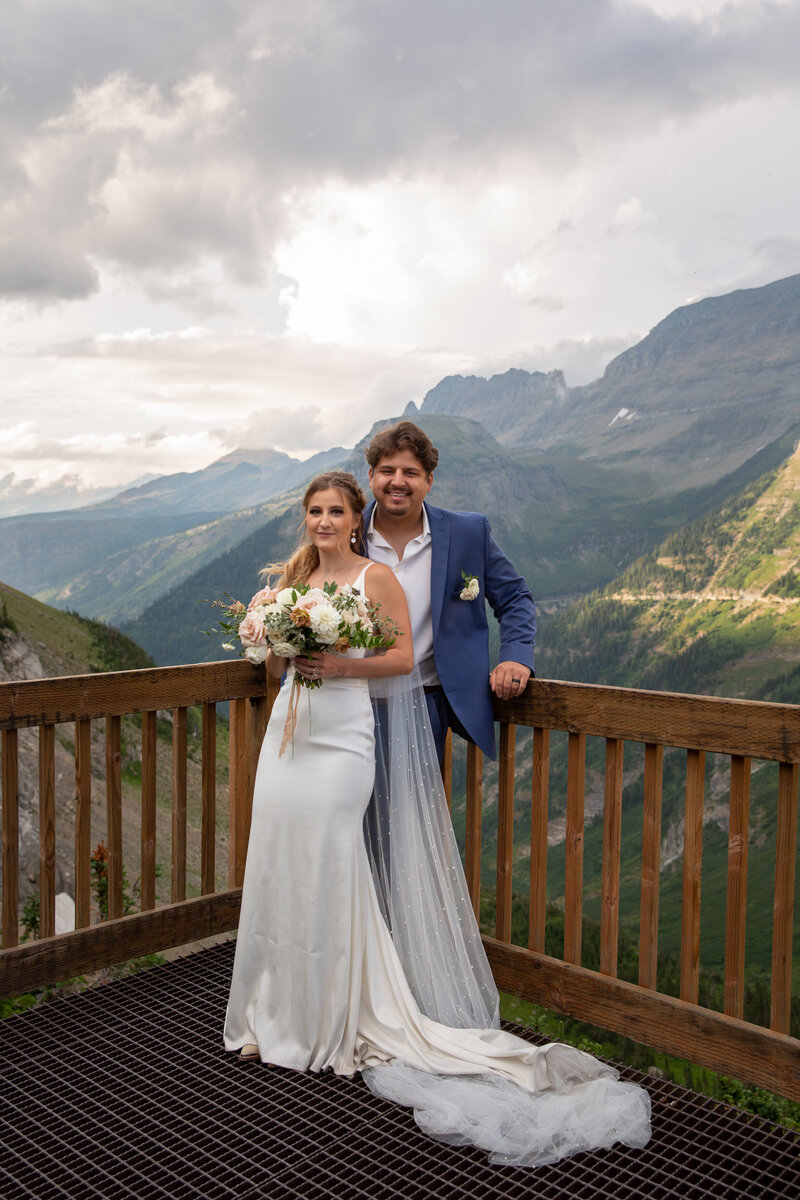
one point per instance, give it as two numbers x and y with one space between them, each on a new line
324 89
43 271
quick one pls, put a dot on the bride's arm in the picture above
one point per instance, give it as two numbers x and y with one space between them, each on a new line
382 589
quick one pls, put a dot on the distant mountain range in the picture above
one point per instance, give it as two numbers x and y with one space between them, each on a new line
578 482
23 496
113 558
688 404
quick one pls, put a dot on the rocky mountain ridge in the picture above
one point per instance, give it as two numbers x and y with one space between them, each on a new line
690 402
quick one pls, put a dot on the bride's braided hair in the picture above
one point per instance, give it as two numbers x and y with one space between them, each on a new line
305 559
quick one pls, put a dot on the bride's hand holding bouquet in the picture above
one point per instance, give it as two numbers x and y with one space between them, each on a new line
302 624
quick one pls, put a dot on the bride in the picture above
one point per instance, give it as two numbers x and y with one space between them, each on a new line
355 961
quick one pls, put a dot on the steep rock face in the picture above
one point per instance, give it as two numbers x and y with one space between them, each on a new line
516 406
19 660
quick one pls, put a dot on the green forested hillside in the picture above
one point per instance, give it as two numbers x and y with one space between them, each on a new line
714 608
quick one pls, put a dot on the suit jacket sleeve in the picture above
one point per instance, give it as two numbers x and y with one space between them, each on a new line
511 602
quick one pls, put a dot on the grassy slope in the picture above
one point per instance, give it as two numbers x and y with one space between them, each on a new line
68 644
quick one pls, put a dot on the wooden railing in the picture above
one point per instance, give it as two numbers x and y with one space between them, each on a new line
742 730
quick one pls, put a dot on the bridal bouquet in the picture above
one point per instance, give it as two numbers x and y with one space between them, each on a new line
304 620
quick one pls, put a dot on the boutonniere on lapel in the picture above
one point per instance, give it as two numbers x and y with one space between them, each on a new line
471 589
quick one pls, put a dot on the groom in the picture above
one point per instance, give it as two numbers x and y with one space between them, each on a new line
434 553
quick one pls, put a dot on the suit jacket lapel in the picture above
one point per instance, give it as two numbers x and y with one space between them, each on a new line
440 545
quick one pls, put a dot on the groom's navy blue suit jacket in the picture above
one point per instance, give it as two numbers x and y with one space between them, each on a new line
462 541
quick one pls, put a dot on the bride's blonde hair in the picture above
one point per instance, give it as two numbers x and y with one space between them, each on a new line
305 559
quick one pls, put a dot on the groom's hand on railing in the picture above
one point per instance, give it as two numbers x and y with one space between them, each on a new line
509 679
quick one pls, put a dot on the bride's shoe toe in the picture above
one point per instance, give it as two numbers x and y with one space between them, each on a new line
249 1053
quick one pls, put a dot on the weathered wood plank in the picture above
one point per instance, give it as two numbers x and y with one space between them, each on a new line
612 834
736 905
692 871
719 1042
47 831
651 864
9 748
540 786
208 787
114 816
748 727
148 815
783 910
239 791
83 822
84 697
178 880
573 867
505 831
34 964
474 821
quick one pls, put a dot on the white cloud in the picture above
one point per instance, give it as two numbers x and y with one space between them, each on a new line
222 219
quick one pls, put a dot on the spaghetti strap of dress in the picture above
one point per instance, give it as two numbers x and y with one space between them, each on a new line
358 583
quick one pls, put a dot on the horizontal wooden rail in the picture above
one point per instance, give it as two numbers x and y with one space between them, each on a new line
34 964
744 727
88 697
714 1040
744 730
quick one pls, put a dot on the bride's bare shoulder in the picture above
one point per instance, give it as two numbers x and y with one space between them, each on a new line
378 575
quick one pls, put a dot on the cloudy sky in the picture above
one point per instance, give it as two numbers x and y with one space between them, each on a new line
253 222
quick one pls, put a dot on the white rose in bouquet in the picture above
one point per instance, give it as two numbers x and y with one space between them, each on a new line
284 649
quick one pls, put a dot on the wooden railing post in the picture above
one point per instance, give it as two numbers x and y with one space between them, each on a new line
474 821
736 907
83 823
612 833
47 831
239 792
208 788
148 823
116 902
178 881
651 864
783 907
573 873
505 833
10 837
692 871
540 783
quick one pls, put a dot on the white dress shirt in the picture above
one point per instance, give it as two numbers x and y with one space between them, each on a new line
413 571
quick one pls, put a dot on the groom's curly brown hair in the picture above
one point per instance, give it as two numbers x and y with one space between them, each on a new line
403 436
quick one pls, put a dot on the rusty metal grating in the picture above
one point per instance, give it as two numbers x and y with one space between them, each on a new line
125 1091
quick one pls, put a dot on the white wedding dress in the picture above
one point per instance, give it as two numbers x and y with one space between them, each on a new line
318 982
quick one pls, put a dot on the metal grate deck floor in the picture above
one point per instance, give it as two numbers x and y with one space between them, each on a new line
126 1091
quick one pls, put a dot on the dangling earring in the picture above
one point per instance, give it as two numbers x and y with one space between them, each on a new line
353 538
